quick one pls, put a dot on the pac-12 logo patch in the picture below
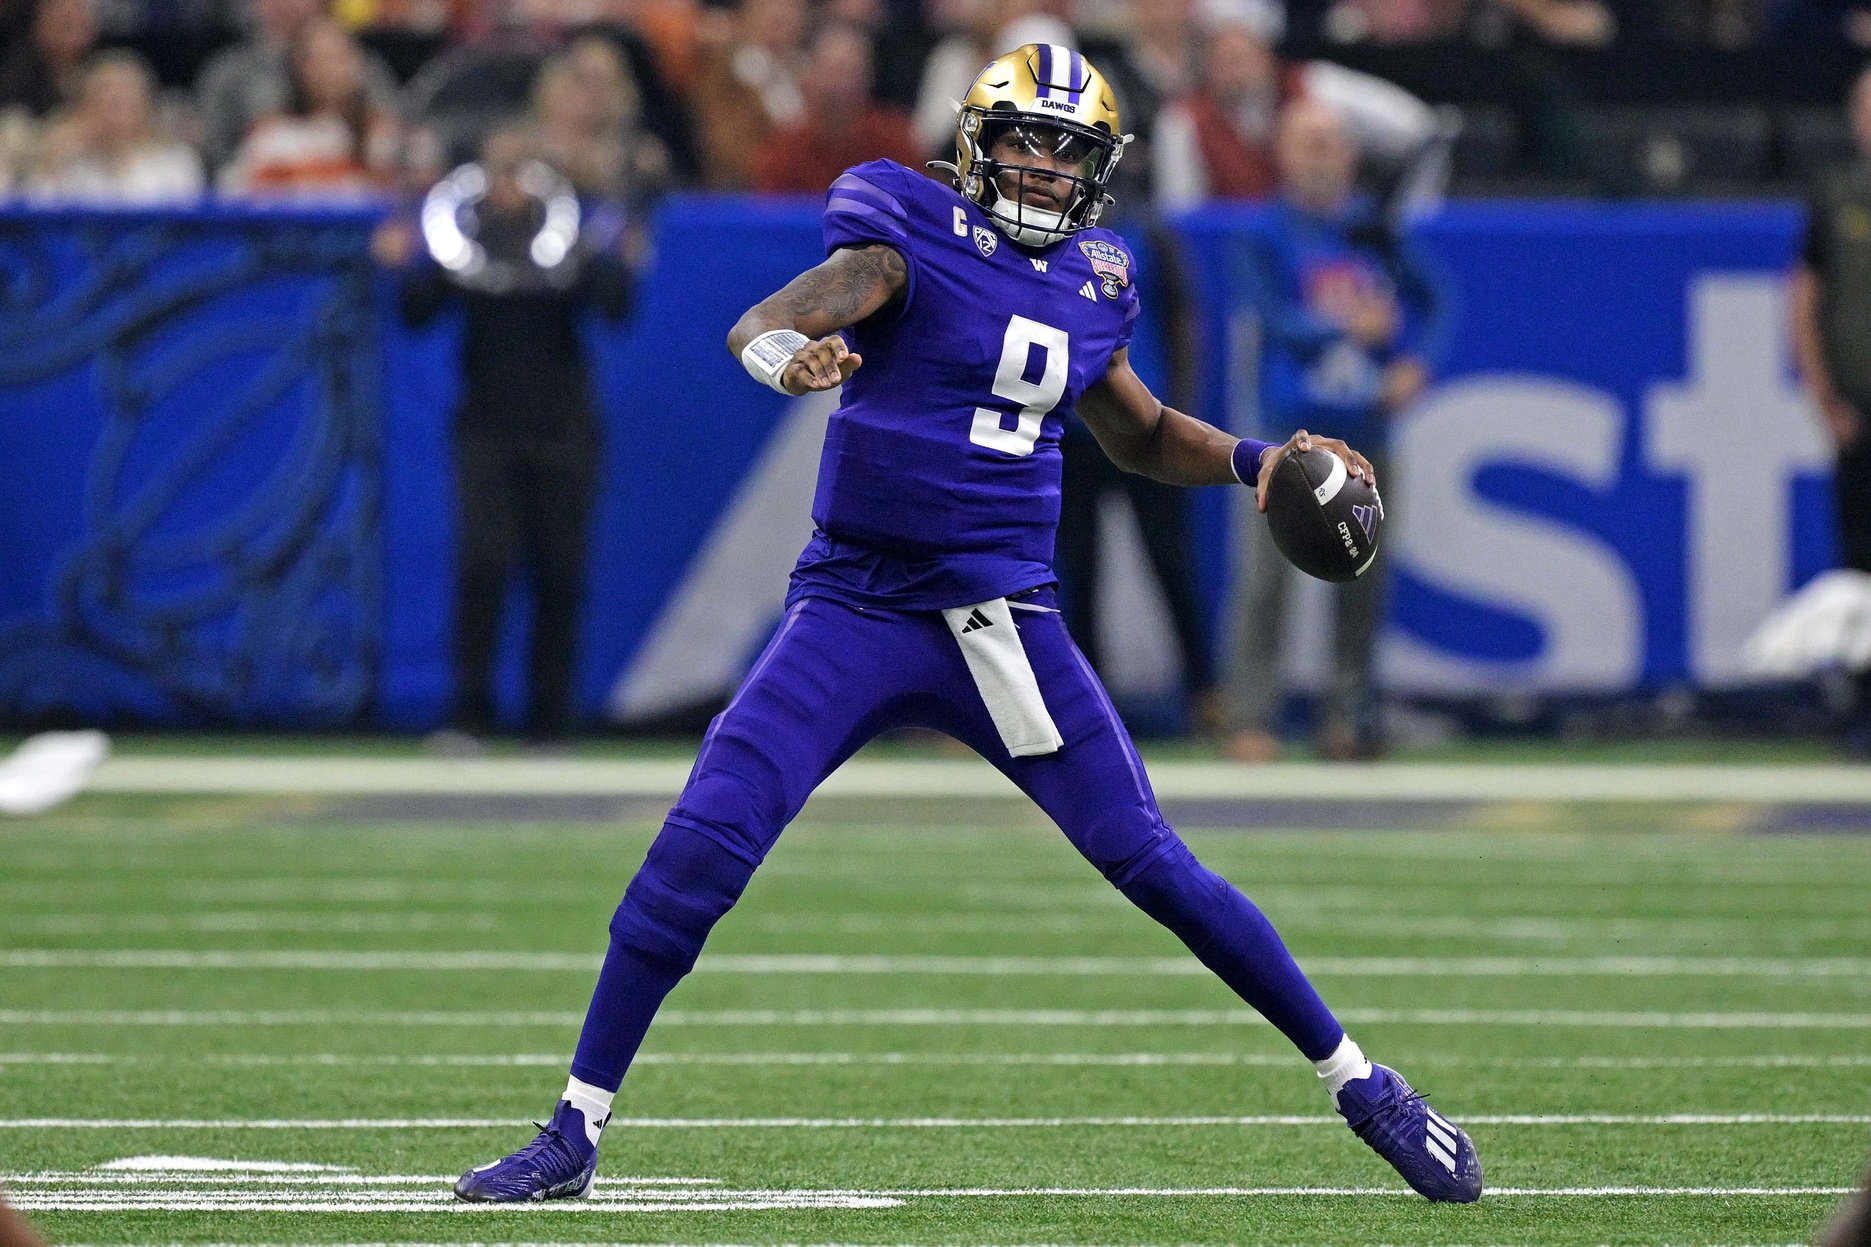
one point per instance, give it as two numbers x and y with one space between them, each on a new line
986 239
1110 264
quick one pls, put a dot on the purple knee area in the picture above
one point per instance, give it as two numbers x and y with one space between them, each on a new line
686 883
1182 894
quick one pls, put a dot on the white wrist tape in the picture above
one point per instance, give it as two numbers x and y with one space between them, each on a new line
766 357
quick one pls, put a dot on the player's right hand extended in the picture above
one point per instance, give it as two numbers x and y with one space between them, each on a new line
821 365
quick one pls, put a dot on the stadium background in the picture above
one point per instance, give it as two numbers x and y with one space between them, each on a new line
1586 514
1613 467
280 974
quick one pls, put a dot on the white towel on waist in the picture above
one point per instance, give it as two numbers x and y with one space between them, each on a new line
991 646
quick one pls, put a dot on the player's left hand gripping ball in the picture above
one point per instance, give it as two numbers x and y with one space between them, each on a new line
821 365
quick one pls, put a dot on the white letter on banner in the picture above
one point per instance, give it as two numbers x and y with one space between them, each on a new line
1577 590
1739 430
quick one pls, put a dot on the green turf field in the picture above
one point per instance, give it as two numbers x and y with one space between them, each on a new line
928 1023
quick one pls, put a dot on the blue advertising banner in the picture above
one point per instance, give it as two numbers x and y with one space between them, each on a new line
1614 475
194 468
229 490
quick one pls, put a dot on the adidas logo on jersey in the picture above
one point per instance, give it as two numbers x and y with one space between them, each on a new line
1090 291
976 621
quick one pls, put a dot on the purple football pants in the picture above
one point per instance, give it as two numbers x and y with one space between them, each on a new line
834 677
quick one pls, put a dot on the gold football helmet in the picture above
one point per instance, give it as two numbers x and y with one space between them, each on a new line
1035 118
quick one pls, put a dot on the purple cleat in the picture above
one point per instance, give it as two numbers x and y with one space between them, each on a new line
561 1163
1434 1155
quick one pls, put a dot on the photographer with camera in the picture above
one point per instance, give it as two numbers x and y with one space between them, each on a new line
508 242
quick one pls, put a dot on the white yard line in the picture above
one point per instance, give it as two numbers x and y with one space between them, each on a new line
921 1123
934 1017
393 921
1142 1060
107 918
283 1017
1551 928
54 1179
611 1200
488 960
1557 932
1037 896
194 1202
663 779
672 1244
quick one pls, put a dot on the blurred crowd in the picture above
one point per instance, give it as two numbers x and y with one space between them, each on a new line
149 101
299 107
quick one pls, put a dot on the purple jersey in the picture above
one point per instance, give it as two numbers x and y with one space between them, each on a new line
939 482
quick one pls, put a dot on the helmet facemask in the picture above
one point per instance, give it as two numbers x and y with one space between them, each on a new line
1072 160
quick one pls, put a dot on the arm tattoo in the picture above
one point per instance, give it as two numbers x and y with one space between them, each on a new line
850 285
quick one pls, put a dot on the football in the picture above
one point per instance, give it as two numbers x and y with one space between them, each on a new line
1325 520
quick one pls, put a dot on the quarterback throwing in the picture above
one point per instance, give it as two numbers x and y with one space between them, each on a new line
966 322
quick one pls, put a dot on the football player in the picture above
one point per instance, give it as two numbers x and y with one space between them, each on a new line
965 321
